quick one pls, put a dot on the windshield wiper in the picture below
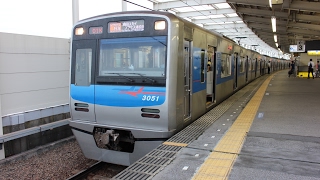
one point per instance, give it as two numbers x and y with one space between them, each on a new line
119 74
152 80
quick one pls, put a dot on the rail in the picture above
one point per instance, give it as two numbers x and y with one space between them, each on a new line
83 174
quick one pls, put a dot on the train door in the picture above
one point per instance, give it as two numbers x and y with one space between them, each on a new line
82 76
260 62
235 71
255 67
211 78
247 68
187 80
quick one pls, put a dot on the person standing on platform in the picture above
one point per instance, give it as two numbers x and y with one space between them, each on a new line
317 69
292 66
310 69
269 66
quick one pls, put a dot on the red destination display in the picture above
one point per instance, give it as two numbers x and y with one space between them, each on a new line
95 30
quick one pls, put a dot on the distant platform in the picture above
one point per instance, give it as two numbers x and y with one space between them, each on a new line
267 130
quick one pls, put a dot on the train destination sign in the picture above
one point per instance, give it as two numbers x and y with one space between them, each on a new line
126 26
95 30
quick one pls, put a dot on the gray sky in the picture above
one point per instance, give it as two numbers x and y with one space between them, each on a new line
53 18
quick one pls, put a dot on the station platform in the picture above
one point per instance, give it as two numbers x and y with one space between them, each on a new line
270 129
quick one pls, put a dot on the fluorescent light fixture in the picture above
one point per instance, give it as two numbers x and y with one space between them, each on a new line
185 9
270 3
217 16
199 17
222 5
277 45
232 15
273 22
275 38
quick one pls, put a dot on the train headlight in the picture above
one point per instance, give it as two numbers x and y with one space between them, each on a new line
79 31
159 25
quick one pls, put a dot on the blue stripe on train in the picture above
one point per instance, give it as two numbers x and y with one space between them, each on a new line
119 96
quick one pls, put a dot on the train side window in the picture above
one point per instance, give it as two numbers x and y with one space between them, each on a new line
242 64
202 65
225 65
83 67
253 64
229 65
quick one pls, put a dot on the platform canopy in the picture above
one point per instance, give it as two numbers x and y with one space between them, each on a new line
248 22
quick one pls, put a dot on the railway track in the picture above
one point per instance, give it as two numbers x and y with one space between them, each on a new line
100 169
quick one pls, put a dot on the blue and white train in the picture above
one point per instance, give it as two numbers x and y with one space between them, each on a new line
137 78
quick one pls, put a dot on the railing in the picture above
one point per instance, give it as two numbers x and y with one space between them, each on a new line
31 131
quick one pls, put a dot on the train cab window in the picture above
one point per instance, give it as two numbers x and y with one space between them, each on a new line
133 56
225 65
83 67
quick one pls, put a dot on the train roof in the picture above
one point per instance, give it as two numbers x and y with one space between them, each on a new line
132 12
164 13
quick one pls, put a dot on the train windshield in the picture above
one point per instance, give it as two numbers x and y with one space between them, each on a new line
133 56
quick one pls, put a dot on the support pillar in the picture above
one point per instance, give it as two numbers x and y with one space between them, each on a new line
75 11
124 5
2 155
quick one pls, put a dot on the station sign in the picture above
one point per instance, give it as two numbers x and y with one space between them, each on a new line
314 52
295 48
300 46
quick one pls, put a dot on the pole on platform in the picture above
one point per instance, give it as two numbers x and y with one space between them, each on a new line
124 5
2 155
75 11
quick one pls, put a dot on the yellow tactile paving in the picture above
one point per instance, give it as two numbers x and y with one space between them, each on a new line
233 137
218 155
229 148
175 144
219 163
217 166
208 177
215 171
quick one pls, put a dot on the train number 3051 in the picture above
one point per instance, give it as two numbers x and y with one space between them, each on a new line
150 98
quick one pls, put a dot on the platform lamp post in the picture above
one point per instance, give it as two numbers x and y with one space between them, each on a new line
75 11
2 155
124 6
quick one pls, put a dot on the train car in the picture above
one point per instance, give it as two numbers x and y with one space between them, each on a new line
139 77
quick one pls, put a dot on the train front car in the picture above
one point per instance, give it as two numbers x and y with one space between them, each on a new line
118 90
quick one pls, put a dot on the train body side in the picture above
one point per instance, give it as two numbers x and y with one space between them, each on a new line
120 122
